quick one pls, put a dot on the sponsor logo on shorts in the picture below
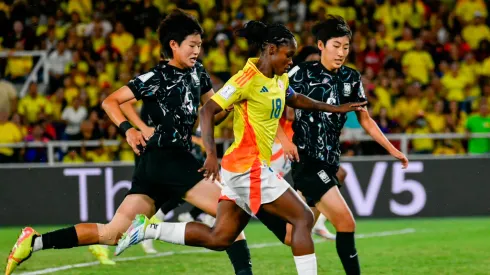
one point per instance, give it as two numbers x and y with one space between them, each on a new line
323 176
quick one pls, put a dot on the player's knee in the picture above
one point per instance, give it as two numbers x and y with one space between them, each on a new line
346 224
108 234
305 220
221 243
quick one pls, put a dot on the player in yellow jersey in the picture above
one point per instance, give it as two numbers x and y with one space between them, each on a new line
258 93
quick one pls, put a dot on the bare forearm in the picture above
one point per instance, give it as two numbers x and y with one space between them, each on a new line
220 117
373 130
281 135
207 130
112 109
130 112
300 101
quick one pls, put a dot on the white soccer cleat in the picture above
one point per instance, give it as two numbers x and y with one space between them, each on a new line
134 235
185 217
323 232
148 247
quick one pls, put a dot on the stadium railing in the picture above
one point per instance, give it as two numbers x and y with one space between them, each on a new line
403 138
42 62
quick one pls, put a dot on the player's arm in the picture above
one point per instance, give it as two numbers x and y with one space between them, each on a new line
207 113
111 106
222 115
290 150
370 126
299 101
130 112
224 98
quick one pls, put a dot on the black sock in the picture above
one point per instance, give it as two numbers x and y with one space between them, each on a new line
346 248
195 212
170 205
240 257
59 239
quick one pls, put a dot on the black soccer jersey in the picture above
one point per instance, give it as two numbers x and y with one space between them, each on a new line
171 98
317 133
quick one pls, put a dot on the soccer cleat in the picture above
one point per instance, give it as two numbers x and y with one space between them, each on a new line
148 247
185 217
324 233
134 235
101 252
22 249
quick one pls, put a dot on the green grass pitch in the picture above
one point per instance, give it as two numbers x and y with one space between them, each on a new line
401 246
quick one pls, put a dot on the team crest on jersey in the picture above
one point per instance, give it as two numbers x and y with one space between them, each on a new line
323 176
347 89
196 79
280 84
325 81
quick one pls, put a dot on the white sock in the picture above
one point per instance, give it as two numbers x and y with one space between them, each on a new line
167 232
321 221
38 244
306 264
159 215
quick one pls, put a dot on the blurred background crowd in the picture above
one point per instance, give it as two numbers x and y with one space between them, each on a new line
425 65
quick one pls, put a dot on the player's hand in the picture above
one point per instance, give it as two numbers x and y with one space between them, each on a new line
136 140
230 108
401 157
349 107
290 151
211 168
148 132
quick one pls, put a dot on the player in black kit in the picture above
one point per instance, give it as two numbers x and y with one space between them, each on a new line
316 134
167 169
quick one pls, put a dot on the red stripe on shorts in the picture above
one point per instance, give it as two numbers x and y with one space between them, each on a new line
255 187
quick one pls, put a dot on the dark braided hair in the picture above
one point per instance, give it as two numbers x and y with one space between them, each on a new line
259 34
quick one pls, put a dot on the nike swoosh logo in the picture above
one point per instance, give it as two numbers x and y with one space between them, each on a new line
314 84
352 256
170 87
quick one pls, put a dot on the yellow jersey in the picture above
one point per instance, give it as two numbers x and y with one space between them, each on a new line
258 106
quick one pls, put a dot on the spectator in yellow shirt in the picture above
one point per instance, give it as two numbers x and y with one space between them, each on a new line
407 107
421 126
72 157
217 59
476 32
33 105
465 9
455 83
436 118
18 67
9 133
121 39
99 155
418 63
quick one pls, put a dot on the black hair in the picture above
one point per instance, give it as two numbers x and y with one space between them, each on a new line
177 26
304 53
259 34
332 27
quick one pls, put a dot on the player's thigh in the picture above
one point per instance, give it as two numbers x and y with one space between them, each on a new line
134 204
290 208
334 207
205 196
341 175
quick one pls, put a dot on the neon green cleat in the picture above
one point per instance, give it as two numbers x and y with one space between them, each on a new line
101 252
22 249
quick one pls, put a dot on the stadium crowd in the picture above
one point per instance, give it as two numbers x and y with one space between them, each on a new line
425 65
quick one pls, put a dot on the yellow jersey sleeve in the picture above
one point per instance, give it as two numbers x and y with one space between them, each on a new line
234 90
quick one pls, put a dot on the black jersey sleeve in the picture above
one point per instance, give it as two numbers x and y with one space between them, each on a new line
145 85
358 94
205 82
297 79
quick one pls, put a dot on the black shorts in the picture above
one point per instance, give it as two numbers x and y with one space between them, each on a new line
165 174
313 178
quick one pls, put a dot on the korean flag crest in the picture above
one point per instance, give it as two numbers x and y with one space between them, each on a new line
347 89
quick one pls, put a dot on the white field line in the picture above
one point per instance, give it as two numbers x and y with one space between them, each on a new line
200 250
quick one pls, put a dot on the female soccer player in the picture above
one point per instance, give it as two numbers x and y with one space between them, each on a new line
166 170
316 134
258 93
